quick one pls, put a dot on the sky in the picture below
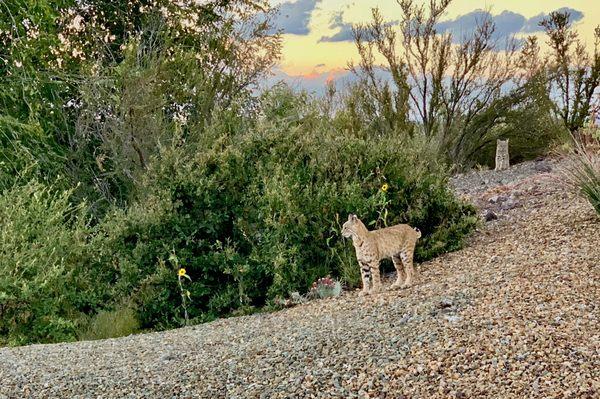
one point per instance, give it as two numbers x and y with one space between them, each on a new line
317 34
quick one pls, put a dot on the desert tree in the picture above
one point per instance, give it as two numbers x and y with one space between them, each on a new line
444 83
153 74
530 61
374 98
574 71
230 40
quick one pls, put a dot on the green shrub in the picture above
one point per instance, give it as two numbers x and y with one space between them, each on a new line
252 208
112 324
25 153
525 117
256 214
128 139
42 265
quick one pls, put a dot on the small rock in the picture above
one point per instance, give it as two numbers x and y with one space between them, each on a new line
542 167
496 199
336 382
453 318
445 303
509 204
167 357
489 215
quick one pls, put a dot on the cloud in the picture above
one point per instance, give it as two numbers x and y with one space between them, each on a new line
294 17
313 82
345 33
316 81
533 24
507 24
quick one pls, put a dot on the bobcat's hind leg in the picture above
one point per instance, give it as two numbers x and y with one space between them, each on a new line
407 261
399 272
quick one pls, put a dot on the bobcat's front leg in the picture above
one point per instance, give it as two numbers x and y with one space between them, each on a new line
365 274
376 276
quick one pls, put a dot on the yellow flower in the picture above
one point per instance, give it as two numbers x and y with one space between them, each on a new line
385 187
181 272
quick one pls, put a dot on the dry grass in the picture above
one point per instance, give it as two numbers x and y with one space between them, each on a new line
112 324
582 173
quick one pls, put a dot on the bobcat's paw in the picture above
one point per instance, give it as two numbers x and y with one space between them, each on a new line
364 293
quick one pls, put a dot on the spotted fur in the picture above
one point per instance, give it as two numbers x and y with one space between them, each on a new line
396 243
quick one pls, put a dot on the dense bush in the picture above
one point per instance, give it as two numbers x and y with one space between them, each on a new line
524 116
26 152
44 276
252 209
257 214
88 89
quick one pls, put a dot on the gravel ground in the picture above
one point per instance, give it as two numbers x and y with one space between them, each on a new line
478 181
513 315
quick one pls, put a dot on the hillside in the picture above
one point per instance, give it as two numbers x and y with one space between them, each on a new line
514 314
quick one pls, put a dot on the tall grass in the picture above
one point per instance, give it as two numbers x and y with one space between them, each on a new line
583 172
112 324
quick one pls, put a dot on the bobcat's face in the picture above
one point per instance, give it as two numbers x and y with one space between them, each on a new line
502 144
349 228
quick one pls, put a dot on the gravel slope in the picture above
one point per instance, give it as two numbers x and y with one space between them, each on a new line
514 315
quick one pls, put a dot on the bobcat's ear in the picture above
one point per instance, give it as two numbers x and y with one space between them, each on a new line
349 217
353 217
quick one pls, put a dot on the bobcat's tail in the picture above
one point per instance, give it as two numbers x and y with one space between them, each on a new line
418 232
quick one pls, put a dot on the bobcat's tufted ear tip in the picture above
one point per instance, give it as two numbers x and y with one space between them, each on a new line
352 217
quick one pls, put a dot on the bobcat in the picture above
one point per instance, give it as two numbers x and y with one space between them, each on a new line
502 157
396 242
